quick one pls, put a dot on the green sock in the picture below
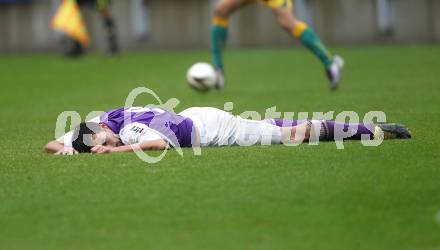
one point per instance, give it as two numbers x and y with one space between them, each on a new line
219 35
311 40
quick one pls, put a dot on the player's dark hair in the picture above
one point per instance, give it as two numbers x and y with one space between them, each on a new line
82 136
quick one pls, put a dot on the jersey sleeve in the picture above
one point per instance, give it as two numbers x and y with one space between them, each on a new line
137 133
67 139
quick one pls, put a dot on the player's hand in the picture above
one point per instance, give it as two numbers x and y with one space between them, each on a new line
67 151
101 149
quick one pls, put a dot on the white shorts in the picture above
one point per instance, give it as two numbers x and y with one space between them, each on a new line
220 128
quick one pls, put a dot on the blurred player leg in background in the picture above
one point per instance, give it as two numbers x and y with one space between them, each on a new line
219 33
284 14
76 49
104 9
300 30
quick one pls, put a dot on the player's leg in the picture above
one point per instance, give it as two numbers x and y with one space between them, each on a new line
74 48
216 127
219 33
220 128
327 129
295 132
251 132
109 25
300 30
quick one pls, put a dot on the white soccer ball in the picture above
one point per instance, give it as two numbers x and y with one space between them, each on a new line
202 76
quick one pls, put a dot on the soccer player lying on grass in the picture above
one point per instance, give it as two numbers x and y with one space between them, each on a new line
154 128
287 20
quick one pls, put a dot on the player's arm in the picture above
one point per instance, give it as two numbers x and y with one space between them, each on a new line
149 145
135 136
59 147
53 146
63 145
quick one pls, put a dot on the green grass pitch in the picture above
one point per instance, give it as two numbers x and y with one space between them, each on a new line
306 197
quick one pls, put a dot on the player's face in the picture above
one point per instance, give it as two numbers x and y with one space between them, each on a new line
106 137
